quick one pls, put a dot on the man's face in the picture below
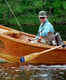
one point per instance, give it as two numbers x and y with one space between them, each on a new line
42 19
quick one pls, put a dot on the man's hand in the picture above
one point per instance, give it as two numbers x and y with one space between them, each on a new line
40 37
39 40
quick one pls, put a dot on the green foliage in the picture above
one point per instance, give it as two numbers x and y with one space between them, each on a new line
57 4
31 7
38 3
64 5
26 12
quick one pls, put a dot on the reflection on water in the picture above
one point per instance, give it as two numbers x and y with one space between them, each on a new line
31 72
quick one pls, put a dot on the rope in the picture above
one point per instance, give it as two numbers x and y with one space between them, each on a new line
18 23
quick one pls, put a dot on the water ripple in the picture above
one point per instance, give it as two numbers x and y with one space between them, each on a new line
31 72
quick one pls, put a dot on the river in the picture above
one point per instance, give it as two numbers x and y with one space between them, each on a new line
32 72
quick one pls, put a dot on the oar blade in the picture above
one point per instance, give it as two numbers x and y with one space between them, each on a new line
29 57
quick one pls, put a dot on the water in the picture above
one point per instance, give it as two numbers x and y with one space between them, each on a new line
31 72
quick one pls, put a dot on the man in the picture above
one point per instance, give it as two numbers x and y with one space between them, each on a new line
44 28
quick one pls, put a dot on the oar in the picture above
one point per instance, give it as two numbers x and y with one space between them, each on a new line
13 59
32 56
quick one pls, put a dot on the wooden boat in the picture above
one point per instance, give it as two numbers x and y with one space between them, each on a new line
16 43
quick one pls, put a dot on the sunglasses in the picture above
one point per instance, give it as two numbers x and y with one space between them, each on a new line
42 17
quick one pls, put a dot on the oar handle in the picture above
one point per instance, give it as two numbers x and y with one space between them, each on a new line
50 49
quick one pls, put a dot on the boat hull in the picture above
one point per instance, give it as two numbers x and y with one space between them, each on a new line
20 47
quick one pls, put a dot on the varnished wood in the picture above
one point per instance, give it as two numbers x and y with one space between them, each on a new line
18 45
